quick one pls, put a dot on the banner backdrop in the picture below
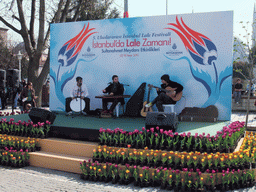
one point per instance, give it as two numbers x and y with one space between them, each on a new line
194 49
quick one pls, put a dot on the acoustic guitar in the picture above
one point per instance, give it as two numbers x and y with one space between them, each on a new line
170 92
145 110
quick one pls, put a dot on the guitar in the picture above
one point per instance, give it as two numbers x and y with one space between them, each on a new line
170 92
145 110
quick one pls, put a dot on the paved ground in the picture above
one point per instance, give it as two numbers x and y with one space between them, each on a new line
36 179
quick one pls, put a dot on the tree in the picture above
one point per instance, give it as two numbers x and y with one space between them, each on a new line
8 58
247 54
29 15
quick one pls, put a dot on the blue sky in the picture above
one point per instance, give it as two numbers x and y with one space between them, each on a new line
243 9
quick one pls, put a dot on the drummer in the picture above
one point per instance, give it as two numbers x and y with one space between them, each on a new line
80 91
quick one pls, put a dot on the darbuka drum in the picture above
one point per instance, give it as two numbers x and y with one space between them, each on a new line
77 105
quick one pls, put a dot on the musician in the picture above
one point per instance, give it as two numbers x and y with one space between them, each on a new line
80 91
162 98
115 88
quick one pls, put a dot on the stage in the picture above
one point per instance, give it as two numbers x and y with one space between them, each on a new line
87 127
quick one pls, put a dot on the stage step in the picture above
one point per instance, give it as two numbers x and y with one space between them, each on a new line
62 154
69 147
57 161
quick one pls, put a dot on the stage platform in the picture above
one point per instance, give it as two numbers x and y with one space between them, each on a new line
87 127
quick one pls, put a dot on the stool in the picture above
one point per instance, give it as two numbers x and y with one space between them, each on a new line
169 108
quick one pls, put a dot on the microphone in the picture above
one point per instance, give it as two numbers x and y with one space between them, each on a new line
125 84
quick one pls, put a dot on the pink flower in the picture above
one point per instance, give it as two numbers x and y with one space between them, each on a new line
157 128
143 128
156 134
161 131
152 130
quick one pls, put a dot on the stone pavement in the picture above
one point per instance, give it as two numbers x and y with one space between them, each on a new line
35 179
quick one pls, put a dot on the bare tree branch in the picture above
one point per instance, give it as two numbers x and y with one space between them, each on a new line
9 25
32 23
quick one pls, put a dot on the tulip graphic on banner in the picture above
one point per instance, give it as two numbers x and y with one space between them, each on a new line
67 57
203 51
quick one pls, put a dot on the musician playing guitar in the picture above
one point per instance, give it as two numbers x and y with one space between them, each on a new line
169 93
114 88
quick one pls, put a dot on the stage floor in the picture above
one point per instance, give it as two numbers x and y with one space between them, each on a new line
125 123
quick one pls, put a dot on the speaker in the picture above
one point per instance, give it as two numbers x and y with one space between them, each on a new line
12 78
2 77
166 121
41 115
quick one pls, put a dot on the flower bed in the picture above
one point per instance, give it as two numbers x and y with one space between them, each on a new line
187 170
223 141
26 129
14 151
17 143
14 158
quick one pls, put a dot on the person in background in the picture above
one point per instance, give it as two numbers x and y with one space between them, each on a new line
3 96
114 88
252 88
28 95
237 91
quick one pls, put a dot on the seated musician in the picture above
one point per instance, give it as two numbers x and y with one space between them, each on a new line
80 91
115 88
163 97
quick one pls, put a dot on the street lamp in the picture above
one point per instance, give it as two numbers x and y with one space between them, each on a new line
19 55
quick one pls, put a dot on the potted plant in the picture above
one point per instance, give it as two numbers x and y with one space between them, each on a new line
157 177
136 175
189 141
156 160
127 175
177 183
164 159
85 170
99 175
114 174
169 139
164 181
203 164
209 161
170 182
